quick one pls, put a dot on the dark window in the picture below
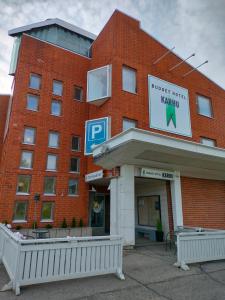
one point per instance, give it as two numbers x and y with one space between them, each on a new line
74 164
49 185
73 187
78 93
47 211
75 143
23 184
20 211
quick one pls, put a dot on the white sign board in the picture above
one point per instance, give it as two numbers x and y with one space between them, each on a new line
94 176
169 107
158 174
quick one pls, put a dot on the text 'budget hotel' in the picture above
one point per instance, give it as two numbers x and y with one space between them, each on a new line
102 130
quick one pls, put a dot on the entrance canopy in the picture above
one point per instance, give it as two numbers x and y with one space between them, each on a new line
147 149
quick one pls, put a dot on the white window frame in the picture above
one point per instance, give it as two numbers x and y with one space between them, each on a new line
56 162
23 193
82 93
32 156
211 107
55 80
202 138
73 195
135 72
34 130
38 99
59 101
50 194
52 212
78 164
129 120
26 212
109 82
35 75
53 132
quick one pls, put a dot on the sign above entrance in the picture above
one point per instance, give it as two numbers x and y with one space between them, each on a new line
169 107
93 176
96 132
158 174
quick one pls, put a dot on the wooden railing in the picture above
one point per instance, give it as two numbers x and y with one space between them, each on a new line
193 247
44 260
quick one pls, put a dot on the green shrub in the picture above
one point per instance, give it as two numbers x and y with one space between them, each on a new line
159 226
74 223
64 223
48 226
81 223
34 225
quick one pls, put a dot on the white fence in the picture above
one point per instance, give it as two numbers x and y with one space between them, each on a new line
35 261
193 247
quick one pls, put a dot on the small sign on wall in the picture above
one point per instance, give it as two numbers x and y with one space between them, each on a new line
158 174
169 107
94 176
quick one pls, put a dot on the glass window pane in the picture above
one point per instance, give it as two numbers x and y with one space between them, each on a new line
47 211
148 210
204 106
49 185
56 108
78 93
35 81
53 140
129 80
51 162
57 88
75 143
208 142
98 83
23 184
74 164
97 211
127 124
26 160
32 102
29 135
73 187
20 211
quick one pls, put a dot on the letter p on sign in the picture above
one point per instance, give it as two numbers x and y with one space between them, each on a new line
96 132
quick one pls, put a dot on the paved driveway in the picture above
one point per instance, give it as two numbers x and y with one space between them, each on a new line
150 275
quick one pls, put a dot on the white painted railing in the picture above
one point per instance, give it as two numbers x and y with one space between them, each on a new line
35 261
193 247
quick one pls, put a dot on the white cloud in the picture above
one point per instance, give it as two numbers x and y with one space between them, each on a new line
191 25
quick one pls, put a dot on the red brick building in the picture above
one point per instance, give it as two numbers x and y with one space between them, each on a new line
167 132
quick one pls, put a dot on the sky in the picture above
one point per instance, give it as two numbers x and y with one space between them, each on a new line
192 26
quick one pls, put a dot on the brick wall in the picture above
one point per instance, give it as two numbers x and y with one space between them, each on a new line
203 202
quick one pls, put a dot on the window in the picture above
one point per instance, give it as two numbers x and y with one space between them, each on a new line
35 81
99 83
32 102
75 143
204 106
128 123
51 162
53 139
148 210
57 87
20 211
129 80
73 187
26 161
49 185
47 211
29 135
78 93
23 184
74 164
56 108
208 142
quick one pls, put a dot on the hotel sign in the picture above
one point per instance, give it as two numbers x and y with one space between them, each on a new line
93 176
169 107
158 174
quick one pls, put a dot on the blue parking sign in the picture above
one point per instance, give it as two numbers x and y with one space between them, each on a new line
96 132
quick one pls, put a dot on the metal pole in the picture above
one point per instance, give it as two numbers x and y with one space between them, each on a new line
205 62
177 65
165 54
